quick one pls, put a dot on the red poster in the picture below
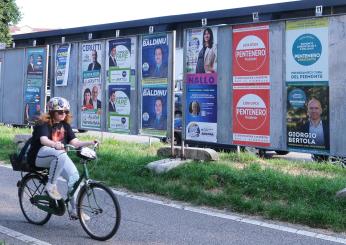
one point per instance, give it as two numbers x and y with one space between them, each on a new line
251 85
251 54
251 115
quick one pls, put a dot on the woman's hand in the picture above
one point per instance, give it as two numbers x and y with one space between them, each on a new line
59 146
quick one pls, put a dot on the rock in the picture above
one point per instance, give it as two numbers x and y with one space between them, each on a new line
195 153
165 165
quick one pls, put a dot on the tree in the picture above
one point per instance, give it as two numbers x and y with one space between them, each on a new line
9 15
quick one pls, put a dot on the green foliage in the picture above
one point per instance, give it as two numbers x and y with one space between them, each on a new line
9 15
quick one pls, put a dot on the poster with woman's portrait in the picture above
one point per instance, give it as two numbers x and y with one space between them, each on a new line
308 117
201 54
91 105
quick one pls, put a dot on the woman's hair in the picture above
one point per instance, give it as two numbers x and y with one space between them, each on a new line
48 118
211 39
87 90
197 107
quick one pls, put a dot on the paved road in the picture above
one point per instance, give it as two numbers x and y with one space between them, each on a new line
147 221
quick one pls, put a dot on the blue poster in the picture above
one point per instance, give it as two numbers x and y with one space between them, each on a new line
201 107
32 109
154 114
155 56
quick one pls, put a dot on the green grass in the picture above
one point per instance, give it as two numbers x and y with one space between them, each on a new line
297 192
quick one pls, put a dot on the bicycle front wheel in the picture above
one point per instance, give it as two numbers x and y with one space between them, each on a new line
99 211
31 186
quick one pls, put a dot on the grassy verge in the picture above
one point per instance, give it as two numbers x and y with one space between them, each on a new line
298 192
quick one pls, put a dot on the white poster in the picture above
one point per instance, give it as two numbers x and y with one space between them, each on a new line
307 50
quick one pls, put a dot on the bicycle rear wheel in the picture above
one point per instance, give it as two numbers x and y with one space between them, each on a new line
99 211
32 185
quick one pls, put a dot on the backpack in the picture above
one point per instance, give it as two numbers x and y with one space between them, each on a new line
19 161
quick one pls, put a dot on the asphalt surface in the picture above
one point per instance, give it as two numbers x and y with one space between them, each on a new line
143 222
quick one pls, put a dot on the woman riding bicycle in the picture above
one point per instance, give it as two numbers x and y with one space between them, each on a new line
51 134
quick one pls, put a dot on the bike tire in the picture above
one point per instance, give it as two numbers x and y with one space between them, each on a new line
31 185
95 207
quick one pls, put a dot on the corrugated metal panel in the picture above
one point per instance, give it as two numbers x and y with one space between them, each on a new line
13 86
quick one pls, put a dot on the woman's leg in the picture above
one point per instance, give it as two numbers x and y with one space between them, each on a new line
71 175
55 160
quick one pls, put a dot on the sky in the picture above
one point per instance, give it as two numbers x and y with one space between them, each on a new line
59 14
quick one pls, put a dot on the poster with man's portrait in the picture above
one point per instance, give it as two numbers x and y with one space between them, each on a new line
154 114
36 60
119 60
119 107
155 53
308 117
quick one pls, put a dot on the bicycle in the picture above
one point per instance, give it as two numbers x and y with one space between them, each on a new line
97 207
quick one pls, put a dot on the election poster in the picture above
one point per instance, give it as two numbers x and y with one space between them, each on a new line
62 62
35 81
155 51
119 60
307 86
201 84
91 107
307 50
201 51
36 60
251 115
308 117
201 107
251 85
155 57
119 108
251 54
154 110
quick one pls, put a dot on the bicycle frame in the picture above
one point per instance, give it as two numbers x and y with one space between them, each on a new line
58 207
83 176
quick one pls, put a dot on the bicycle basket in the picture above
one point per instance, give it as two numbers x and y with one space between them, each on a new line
19 165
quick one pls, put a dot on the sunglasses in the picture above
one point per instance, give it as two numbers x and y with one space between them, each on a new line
62 112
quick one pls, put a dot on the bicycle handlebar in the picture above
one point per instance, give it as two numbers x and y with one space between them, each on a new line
68 147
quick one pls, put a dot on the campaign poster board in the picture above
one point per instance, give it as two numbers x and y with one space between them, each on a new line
91 104
36 63
201 84
155 52
307 84
251 85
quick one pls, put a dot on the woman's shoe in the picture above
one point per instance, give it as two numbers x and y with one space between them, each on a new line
52 191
